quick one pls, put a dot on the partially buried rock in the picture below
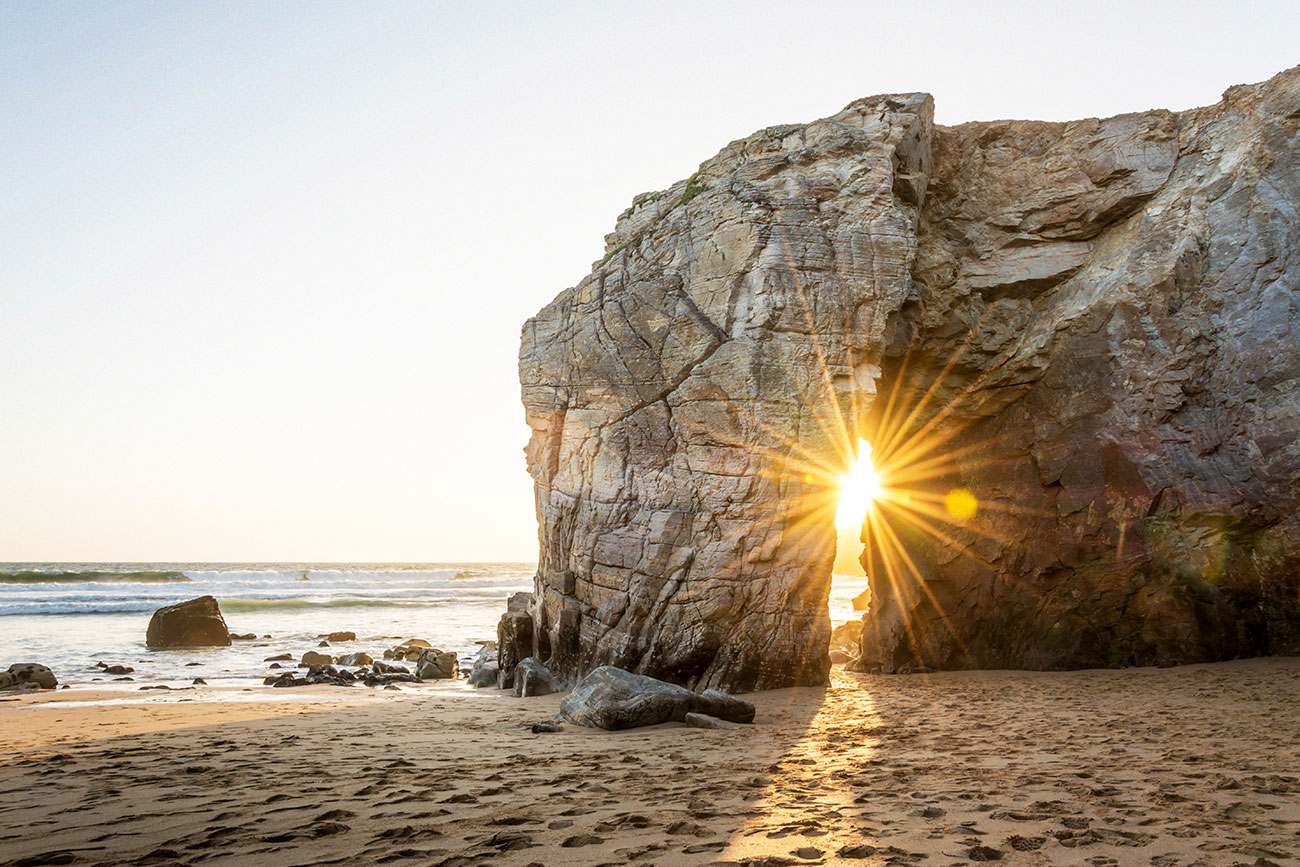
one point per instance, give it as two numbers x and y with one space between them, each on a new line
340 636
435 664
532 678
198 681
246 636
610 698
29 675
311 657
484 672
118 669
196 623
546 725
704 721
279 657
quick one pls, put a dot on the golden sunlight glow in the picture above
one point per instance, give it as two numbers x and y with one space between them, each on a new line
858 490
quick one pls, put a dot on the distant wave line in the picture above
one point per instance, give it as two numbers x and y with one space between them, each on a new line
32 577
249 605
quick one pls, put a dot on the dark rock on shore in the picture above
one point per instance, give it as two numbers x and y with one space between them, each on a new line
485 669
28 675
532 678
195 623
435 664
514 638
339 636
246 636
610 698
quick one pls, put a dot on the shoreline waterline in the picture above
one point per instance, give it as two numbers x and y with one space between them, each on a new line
91 613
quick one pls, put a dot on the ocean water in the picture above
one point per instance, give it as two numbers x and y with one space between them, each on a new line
71 616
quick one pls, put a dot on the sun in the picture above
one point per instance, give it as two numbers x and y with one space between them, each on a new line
858 490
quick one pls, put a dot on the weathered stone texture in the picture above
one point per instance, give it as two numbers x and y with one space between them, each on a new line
1106 308
1128 288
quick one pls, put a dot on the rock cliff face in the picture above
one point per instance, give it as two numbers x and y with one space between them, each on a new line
1089 331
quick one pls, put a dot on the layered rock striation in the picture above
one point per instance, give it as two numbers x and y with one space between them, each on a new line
1088 329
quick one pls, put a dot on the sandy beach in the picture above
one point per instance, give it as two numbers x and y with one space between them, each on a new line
1176 766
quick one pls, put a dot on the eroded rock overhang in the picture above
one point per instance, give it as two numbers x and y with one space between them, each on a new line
1103 314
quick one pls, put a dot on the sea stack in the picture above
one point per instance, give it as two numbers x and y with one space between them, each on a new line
1085 332
196 623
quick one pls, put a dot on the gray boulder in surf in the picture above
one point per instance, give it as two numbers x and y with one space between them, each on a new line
611 698
196 623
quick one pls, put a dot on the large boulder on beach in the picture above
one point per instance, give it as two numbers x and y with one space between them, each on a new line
28 675
196 623
311 657
435 664
611 698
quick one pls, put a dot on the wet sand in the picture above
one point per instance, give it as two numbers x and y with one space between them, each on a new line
1180 766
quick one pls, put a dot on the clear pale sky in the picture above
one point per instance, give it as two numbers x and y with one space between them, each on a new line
263 265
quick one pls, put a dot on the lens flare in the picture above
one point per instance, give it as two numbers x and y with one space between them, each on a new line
858 490
961 504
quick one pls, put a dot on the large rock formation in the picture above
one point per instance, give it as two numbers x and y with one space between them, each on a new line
1081 337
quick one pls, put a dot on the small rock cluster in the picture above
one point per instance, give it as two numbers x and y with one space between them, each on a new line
379 674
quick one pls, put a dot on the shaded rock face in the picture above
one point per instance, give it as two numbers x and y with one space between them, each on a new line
532 678
1087 330
514 638
195 623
